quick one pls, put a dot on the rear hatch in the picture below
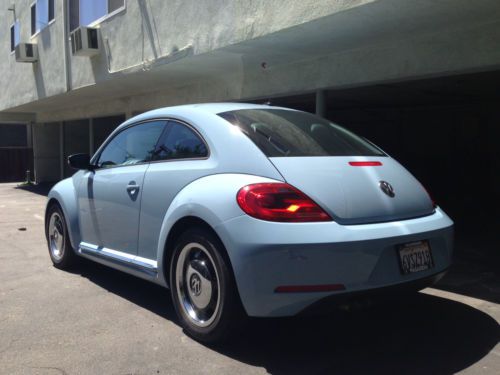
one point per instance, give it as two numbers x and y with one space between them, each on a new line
349 177
353 194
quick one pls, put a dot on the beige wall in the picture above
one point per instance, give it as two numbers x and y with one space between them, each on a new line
164 52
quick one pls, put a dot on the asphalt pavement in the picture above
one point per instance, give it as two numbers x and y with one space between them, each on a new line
94 320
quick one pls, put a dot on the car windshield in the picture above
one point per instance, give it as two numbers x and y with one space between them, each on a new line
281 133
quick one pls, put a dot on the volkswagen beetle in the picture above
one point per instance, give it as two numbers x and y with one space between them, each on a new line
247 210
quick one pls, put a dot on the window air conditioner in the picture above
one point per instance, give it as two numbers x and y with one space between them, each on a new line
84 41
26 52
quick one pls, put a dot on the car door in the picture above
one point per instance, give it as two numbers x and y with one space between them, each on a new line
110 196
181 156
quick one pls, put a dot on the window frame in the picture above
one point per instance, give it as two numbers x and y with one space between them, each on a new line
194 130
99 20
50 21
97 155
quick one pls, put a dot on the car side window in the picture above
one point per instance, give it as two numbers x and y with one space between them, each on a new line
132 146
179 142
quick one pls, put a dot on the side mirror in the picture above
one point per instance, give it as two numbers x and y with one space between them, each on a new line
80 161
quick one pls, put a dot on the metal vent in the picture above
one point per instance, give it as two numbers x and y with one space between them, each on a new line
78 39
29 50
26 52
92 38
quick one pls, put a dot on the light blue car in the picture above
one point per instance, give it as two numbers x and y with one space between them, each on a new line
247 210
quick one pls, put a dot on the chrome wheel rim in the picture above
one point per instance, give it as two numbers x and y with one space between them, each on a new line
197 284
56 236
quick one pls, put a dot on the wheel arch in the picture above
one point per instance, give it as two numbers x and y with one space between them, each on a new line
179 227
64 195
209 202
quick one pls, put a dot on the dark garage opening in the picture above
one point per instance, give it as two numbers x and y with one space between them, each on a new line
445 131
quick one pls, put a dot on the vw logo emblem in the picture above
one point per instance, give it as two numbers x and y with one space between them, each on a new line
387 188
195 284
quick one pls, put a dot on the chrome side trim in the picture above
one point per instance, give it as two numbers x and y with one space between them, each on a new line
148 266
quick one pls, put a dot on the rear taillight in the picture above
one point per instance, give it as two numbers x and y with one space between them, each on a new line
279 202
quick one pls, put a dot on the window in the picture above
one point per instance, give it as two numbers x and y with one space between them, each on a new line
42 13
279 132
15 35
132 146
179 142
85 12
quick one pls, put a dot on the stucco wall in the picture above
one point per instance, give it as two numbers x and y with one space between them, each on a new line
144 30
25 82
417 57
157 53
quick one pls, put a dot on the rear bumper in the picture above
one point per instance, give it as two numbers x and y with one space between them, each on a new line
266 255
367 297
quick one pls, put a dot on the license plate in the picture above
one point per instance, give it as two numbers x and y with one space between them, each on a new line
415 257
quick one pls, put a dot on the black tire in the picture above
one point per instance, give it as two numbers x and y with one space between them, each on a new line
61 252
199 255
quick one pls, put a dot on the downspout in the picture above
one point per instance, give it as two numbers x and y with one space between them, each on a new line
67 74
66 39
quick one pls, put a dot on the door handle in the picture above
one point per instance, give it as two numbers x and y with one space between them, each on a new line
132 187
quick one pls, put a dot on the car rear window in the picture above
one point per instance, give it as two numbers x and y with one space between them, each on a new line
279 132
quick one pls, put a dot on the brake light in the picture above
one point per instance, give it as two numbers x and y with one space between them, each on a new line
365 163
279 202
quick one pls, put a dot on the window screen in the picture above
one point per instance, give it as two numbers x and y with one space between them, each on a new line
51 10
33 19
74 14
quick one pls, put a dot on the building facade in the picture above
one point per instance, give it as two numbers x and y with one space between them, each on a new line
420 78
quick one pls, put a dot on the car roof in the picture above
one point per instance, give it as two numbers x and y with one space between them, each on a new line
186 109
216 108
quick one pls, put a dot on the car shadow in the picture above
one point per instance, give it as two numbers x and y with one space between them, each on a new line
423 334
40 189
140 292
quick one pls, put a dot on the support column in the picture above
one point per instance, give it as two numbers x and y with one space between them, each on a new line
34 145
321 103
91 136
61 150
29 135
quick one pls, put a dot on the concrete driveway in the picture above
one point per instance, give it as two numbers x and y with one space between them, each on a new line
94 320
